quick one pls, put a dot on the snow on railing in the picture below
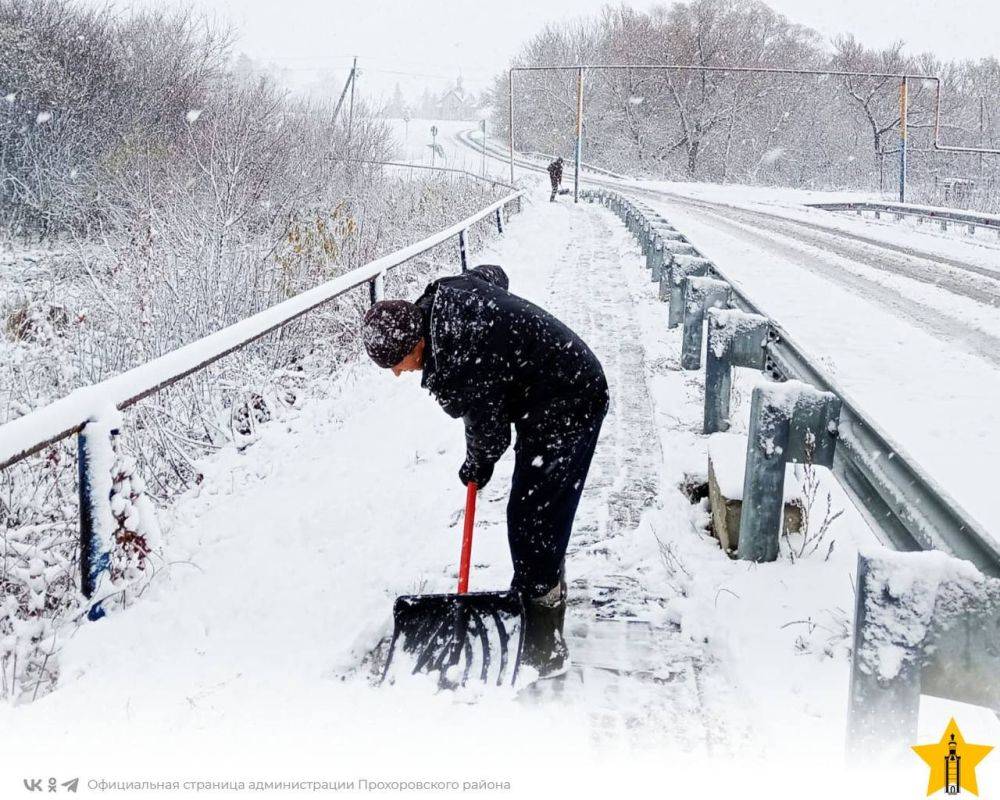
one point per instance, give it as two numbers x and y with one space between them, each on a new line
92 411
33 432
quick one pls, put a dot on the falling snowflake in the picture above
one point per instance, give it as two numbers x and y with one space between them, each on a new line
11 97
193 115
43 117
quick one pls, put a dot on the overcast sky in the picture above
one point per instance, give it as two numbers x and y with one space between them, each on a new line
430 42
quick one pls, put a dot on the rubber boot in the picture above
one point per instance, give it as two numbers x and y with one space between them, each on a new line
544 646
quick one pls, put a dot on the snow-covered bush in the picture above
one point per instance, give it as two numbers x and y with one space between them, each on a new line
175 196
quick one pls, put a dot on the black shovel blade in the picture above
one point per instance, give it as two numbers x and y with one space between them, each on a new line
462 637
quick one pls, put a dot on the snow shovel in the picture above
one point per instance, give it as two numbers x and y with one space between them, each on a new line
463 637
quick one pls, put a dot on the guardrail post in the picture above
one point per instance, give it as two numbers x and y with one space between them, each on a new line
654 257
879 712
681 266
924 623
735 339
790 422
95 461
463 251
500 221
699 295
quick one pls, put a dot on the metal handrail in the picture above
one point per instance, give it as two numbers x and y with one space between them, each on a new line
37 430
899 500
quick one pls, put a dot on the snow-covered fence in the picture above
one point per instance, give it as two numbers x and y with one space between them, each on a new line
925 623
92 412
942 216
901 502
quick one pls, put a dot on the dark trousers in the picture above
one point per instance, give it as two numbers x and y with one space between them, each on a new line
549 475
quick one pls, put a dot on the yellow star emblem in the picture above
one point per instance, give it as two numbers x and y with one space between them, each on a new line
945 769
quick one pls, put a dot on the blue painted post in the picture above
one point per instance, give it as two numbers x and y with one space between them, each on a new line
735 339
95 461
500 221
699 295
790 422
462 251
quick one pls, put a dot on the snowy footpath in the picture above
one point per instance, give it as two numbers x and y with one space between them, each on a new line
247 657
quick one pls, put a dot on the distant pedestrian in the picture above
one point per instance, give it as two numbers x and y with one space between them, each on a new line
555 176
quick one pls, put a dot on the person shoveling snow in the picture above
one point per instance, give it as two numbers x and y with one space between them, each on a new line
495 360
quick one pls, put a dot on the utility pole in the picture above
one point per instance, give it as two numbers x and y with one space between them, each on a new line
902 140
510 119
579 134
982 131
347 85
350 118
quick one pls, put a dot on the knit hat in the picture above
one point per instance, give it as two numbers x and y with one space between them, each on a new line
391 330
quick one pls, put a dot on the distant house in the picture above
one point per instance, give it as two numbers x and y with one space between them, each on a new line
455 104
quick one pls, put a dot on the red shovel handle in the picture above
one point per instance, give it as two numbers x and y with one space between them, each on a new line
470 520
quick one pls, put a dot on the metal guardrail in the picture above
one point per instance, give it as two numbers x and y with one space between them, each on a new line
905 506
943 217
86 410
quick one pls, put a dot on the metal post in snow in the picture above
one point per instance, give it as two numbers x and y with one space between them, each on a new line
699 295
683 263
735 339
510 120
790 422
463 251
879 712
579 134
902 140
95 461
500 220
654 257
376 288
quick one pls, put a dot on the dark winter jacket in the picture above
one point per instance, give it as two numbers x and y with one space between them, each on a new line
495 359
555 173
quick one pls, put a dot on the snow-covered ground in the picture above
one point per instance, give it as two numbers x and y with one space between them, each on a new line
285 561
244 658
414 141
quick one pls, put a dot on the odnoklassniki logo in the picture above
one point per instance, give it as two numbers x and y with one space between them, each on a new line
953 762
